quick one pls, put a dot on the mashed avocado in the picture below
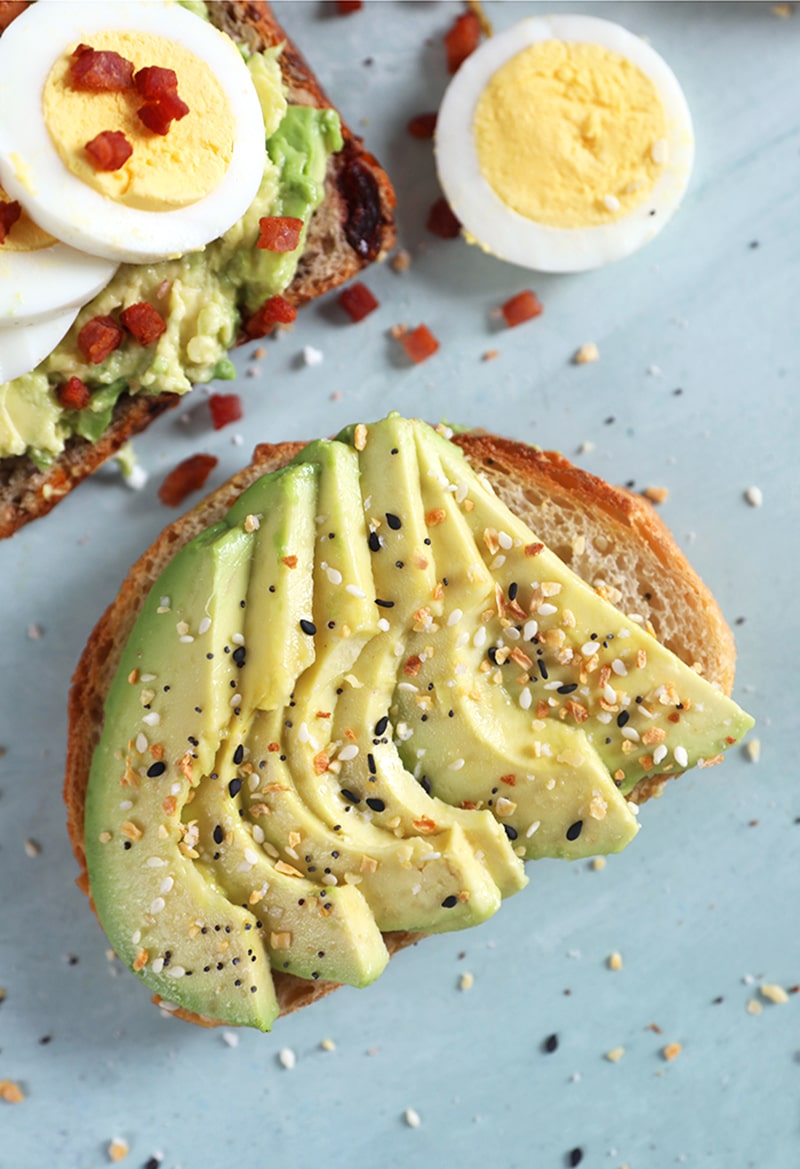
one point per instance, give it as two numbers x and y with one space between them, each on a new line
201 295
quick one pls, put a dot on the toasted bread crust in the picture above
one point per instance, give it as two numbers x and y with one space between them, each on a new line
352 227
528 480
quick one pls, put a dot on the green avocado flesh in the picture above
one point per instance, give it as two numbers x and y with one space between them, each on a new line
201 295
357 705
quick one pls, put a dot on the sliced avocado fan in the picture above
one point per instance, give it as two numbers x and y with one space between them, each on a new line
354 706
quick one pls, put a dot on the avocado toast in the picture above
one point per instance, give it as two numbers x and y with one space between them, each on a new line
327 179
337 705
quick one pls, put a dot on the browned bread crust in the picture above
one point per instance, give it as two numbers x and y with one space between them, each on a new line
353 226
603 533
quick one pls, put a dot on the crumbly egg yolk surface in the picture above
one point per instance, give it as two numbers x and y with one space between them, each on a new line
165 172
24 235
570 134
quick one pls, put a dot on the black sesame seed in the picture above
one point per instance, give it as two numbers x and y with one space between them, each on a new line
127 845
550 1044
351 797
574 830
371 763
238 755
393 521
156 769
513 589
209 656
381 725
427 540
308 627
622 718
450 902
152 1163
374 542
543 670
399 564
384 604
575 1156
331 625
394 448
568 688
425 784
45 1040
335 854
218 834
511 833
239 655
234 787
376 804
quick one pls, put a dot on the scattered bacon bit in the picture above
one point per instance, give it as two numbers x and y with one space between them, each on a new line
100 72
109 150
442 221
73 394
412 666
425 824
188 476
153 82
509 779
98 338
273 747
419 344
468 805
345 7
422 125
224 408
358 302
158 116
275 310
143 322
279 233
522 307
9 214
289 561
462 39
321 761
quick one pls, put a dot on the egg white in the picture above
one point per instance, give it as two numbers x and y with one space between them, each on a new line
36 285
513 237
22 347
32 172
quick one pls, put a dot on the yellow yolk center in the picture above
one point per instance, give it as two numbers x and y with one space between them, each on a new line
24 235
570 135
165 172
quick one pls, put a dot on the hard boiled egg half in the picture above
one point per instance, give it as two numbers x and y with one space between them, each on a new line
564 143
176 192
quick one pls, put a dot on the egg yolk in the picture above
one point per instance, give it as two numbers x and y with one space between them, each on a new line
165 172
24 235
570 135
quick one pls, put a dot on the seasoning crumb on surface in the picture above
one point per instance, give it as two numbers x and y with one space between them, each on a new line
287 1058
327 1045
752 750
754 1007
312 356
773 993
35 632
118 1149
32 848
598 864
656 494
586 354
11 1092
615 1054
754 496
490 355
259 353
230 1038
585 448
615 961
412 1118
401 260
671 1051
466 981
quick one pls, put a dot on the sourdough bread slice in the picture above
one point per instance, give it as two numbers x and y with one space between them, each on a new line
352 227
611 538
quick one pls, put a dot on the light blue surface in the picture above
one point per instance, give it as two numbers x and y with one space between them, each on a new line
703 906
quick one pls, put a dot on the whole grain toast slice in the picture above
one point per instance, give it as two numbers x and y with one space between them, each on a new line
611 538
352 227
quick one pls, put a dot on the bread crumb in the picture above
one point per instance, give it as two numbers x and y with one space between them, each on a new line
671 1051
754 1007
656 494
599 863
412 1118
773 993
287 1058
336 396
11 1092
466 981
118 1149
752 750
586 354
490 355
615 1055
328 1045
754 496
615 961
401 260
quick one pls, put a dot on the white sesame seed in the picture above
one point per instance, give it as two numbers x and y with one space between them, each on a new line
589 648
681 756
141 743
546 609
498 561
157 904
412 1118
525 699
619 668
630 733
312 356
251 856
176 971
479 640
660 753
155 862
258 834
532 828
186 639
204 625
287 1058
334 576
355 591
603 716
754 496
753 750
612 202
530 629
348 752
505 541
659 151
455 617
457 764
236 700
230 1038
610 694
147 677
302 733
383 625
152 718
157 965
166 885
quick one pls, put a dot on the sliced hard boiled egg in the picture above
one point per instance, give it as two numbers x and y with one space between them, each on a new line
22 347
177 191
564 143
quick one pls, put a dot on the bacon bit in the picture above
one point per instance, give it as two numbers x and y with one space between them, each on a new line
522 307
425 824
323 714
435 517
73 394
225 408
188 476
170 805
11 1092
462 39
154 83
412 666
289 561
510 779
345 7
674 717
419 344
100 72
141 960
279 233
442 221
185 766
109 150
158 116
672 1050
468 805
533 549
464 896
730 740
275 310
9 214
422 125
490 355
542 709
357 301
273 747
143 322
321 762
157 751
98 338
